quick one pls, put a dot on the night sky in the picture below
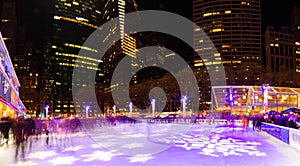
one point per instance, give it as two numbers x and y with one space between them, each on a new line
274 12
35 19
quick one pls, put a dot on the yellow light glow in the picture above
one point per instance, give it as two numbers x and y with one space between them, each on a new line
75 21
75 3
276 45
67 4
197 29
198 64
217 30
227 11
217 54
271 44
210 14
225 46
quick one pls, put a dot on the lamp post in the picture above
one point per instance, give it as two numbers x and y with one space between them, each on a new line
153 107
231 99
265 89
114 108
87 111
184 98
130 109
46 108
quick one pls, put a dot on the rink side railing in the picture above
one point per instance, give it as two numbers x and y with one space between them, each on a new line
287 135
197 121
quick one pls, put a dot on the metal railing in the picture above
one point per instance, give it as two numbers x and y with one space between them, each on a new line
287 135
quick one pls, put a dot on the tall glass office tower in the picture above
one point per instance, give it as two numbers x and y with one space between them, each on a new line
73 22
234 27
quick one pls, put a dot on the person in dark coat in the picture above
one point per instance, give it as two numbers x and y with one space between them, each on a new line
19 127
6 125
29 131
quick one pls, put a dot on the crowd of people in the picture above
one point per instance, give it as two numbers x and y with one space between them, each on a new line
25 131
285 120
57 131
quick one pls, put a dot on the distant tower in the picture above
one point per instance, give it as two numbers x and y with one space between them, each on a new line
295 28
234 27
280 55
9 26
73 23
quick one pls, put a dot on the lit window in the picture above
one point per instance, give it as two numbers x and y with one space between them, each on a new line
197 29
297 43
217 30
216 54
243 3
272 45
276 45
225 46
227 11
67 4
209 14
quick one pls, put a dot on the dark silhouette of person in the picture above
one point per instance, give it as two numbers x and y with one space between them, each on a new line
19 127
29 131
6 125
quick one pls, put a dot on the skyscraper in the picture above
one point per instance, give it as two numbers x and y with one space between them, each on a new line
125 46
234 27
73 22
295 28
280 55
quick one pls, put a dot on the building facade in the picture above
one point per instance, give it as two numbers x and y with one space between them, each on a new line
10 102
73 22
295 29
125 46
280 56
234 28
21 52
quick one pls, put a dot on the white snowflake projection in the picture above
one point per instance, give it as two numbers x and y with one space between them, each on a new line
24 163
96 146
42 154
63 160
133 145
73 148
136 135
99 155
219 145
108 143
140 158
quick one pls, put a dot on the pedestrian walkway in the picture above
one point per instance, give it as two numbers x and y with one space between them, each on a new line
159 145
